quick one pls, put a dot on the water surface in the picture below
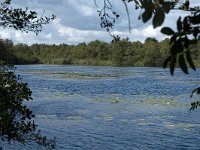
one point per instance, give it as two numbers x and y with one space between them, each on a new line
115 108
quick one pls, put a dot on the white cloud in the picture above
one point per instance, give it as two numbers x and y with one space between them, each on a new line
150 32
73 35
140 33
4 34
83 8
57 33
28 38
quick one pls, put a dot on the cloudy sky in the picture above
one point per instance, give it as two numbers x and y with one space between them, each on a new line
78 21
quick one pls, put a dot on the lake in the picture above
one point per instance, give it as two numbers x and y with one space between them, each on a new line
113 108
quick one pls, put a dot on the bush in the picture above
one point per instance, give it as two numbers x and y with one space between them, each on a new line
16 120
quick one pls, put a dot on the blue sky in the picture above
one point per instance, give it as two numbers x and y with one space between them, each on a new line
78 21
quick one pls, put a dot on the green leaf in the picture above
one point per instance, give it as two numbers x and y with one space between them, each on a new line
197 91
167 6
166 61
147 4
177 47
189 60
186 42
161 2
187 4
147 14
179 25
186 25
159 18
196 32
172 65
173 39
167 31
195 105
182 64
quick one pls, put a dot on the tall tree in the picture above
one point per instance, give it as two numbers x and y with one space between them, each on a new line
16 120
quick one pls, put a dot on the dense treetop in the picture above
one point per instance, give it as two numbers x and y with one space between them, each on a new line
151 53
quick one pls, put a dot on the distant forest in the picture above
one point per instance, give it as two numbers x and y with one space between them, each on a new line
151 53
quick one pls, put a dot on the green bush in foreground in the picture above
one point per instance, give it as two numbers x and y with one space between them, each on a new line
16 120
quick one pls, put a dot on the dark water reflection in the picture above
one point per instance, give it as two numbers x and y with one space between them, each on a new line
112 107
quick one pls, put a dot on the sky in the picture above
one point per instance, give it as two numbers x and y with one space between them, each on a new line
78 21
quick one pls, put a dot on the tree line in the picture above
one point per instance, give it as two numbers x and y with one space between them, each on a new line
151 53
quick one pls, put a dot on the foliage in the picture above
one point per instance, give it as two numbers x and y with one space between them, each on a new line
180 44
20 19
151 53
107 15
195 105
16 120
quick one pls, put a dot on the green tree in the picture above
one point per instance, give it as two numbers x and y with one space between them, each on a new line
4 52
164 49
16 120
138 54
151 52
118 52
129 56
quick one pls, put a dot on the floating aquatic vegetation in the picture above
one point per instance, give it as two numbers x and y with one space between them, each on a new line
192 81
181 125
111 100
73 75
108 117
78 75
163 102
81 110
105 117
72 118
126 121
46 116
40 71
57 96
52 117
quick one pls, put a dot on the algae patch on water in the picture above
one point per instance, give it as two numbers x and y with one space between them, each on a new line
48 95
163 102
73 75
56 117
105 117
79 75
185 126
110 100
